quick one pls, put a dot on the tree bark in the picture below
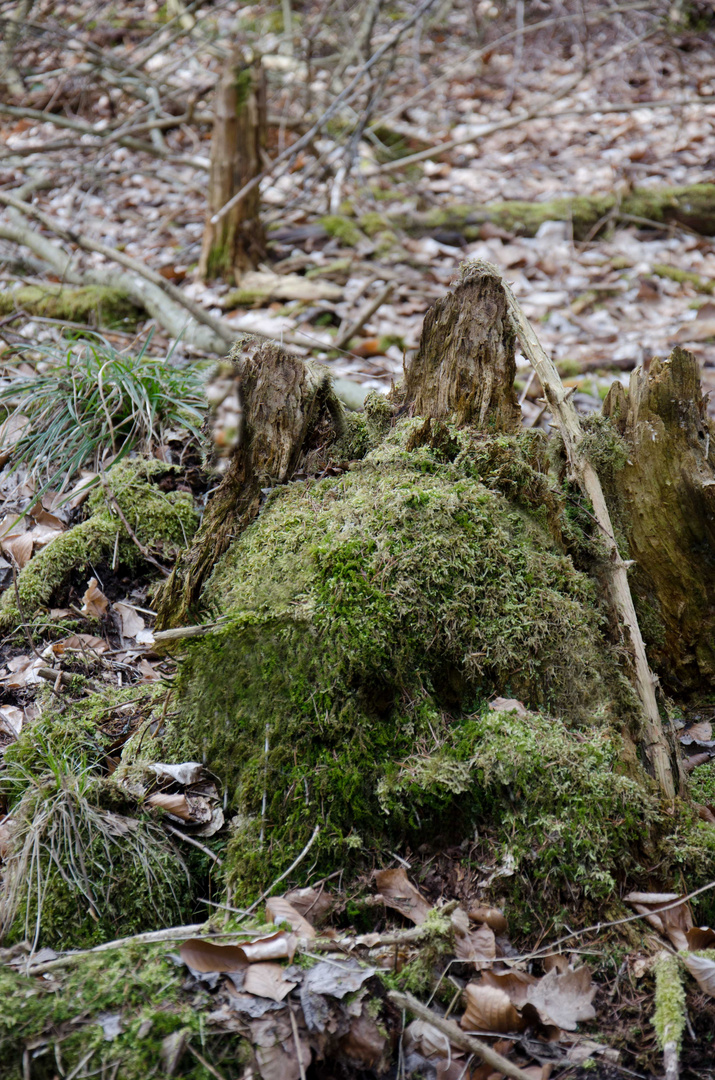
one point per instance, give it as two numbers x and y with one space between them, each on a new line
464 368
237 242
664 500
283 401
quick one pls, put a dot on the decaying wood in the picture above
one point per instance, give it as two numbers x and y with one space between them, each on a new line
283 400
665 504
567 420
465 366
237 242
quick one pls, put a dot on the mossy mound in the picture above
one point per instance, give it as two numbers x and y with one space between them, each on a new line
163 520
368 619
94 304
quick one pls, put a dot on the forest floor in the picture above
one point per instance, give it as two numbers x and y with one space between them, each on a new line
602 305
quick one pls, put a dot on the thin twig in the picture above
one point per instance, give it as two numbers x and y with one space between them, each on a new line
458 1037
363 315
190 840
285 873
296 1040
206 1064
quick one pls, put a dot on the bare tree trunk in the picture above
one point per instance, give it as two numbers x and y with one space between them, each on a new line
237 242
664 501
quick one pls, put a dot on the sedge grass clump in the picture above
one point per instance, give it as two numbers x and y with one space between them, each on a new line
77 873
91 401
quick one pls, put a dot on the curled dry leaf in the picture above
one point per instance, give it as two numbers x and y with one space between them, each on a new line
205 957
702 968
478 946
673 922
11 718
18 547
564 998
94 602
280 910
401 895
502 704
489 1008
83 643
702 732
176 805
700 937
314 904
23 672
492 916
185 773
267 980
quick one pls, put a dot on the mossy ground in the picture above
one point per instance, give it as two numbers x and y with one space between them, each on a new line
94 304
163 520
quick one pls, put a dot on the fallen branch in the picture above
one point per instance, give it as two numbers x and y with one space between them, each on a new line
458 1037
363 315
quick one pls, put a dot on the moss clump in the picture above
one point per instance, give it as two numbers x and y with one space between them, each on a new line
365 613
669 1017
94 304
63 1017
673 273
163 520
343 229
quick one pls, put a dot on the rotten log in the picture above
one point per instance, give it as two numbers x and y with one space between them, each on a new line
281 402
664 500
237 242
464 368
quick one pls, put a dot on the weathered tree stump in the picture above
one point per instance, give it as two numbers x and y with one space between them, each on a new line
464 368
282 401
237 242
665 503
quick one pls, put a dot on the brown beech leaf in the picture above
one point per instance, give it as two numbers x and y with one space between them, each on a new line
702 968
178 805
489 1008
273 947
492 916
18 547
702 732
314 904
279 910
564 998
479 945
700 937
204 956
514 983
401 895
132 622
80 643
674 923
94 602
267 980
502 704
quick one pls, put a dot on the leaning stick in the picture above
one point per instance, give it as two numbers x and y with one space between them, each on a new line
458 1037
567 420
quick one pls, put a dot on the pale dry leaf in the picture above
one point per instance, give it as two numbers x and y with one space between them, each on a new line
18 547
267 980
83 643
489 1008
185 773
401 895
279 910
213 825
422 1037
501 704
564 998
702 968
555 961
42 535
516 984
145 637
131 620
702 732
60 612
80 491
12 524
10 432
94 602
364 1045
12 719
336 978
273 947
204 956
477 946
149 673
312 903
673 922
43 517
176 805
23 672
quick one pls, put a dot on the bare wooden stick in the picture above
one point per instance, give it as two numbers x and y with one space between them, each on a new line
457 1036
569 424
363 315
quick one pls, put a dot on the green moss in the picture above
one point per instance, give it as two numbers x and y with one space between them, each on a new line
374 223
163 521
669 1017
241 297
93 304
702 783
343 229
140 984
700 284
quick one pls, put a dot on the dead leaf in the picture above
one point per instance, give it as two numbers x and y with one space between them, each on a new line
94 602
477 946
401 895
674 923
177 805
502 704
336 978
364 1045
10 433
700 937
149 673
43 517
702 732
314 904
42 535
131 621
280 910
80 643
489 1008
273 947
18 548
185 773
555 962
702 968
23 672
492 916
12 719
564 998
204 956
267 980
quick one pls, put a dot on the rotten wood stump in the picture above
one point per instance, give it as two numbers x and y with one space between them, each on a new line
283 404
665 504
464 368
